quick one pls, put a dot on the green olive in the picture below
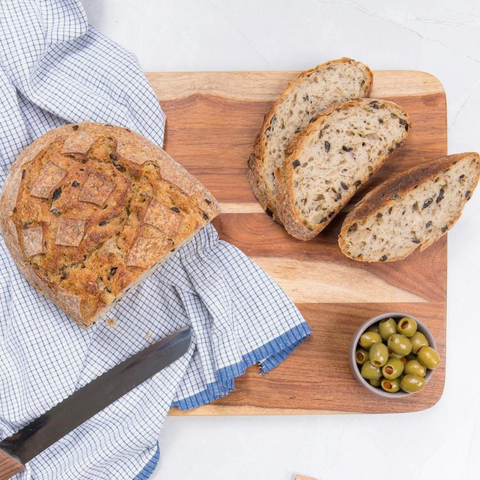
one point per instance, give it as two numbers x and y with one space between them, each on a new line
428 357
361 356
412 383
370 372
392 369
399 344
391 386
394 355
407 326
373 328
375 382
387 327
369 338
418 340
400 357
416 368
378 354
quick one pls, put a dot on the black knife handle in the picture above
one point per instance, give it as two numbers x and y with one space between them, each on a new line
9 466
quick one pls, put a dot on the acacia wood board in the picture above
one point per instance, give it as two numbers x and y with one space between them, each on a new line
212 121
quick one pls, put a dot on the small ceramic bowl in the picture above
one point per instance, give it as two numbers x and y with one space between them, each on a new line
354 344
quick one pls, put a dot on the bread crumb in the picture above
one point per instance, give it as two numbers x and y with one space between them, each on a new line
111 322
149 335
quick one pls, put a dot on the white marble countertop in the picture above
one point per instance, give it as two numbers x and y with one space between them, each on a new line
438 36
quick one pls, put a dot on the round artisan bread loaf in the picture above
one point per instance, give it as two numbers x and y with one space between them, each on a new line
89 210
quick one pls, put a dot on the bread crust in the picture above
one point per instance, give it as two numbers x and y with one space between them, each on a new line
255 172
398 186
72 143
284 178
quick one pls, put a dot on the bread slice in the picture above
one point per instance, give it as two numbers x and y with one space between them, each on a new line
329 160
313 91
411 210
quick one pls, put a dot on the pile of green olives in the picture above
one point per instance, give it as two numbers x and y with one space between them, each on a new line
395 356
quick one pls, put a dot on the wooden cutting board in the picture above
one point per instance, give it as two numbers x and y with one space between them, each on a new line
212 121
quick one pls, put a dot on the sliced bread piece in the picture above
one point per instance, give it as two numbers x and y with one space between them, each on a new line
328 161
313 91
411 210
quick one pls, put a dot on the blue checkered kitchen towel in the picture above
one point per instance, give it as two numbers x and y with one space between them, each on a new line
55 69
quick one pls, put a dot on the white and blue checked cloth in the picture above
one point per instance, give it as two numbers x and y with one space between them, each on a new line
55 69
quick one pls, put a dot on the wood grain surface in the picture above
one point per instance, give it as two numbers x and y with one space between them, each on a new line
212 121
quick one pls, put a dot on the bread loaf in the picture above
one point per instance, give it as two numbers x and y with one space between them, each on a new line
329 160
89 210
410 211
312 92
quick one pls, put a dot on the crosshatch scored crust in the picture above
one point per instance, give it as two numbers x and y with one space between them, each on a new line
301 102
88 210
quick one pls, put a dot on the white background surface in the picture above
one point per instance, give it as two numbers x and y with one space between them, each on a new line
441 37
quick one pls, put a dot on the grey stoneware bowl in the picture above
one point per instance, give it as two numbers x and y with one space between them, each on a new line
354 343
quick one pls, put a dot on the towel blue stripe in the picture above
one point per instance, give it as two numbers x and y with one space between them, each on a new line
269 355
150 466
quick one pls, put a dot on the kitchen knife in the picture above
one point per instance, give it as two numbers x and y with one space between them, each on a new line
44 431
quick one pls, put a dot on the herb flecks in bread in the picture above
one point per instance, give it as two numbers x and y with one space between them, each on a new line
89 210
312 92
410 211
329 160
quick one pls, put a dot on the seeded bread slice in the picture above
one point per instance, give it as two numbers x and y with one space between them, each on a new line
329 160
312 92
410 211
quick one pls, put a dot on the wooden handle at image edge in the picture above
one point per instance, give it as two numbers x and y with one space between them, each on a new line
9 466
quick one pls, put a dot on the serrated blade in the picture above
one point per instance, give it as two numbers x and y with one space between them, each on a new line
44 431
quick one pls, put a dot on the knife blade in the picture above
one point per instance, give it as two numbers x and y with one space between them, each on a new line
86 402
